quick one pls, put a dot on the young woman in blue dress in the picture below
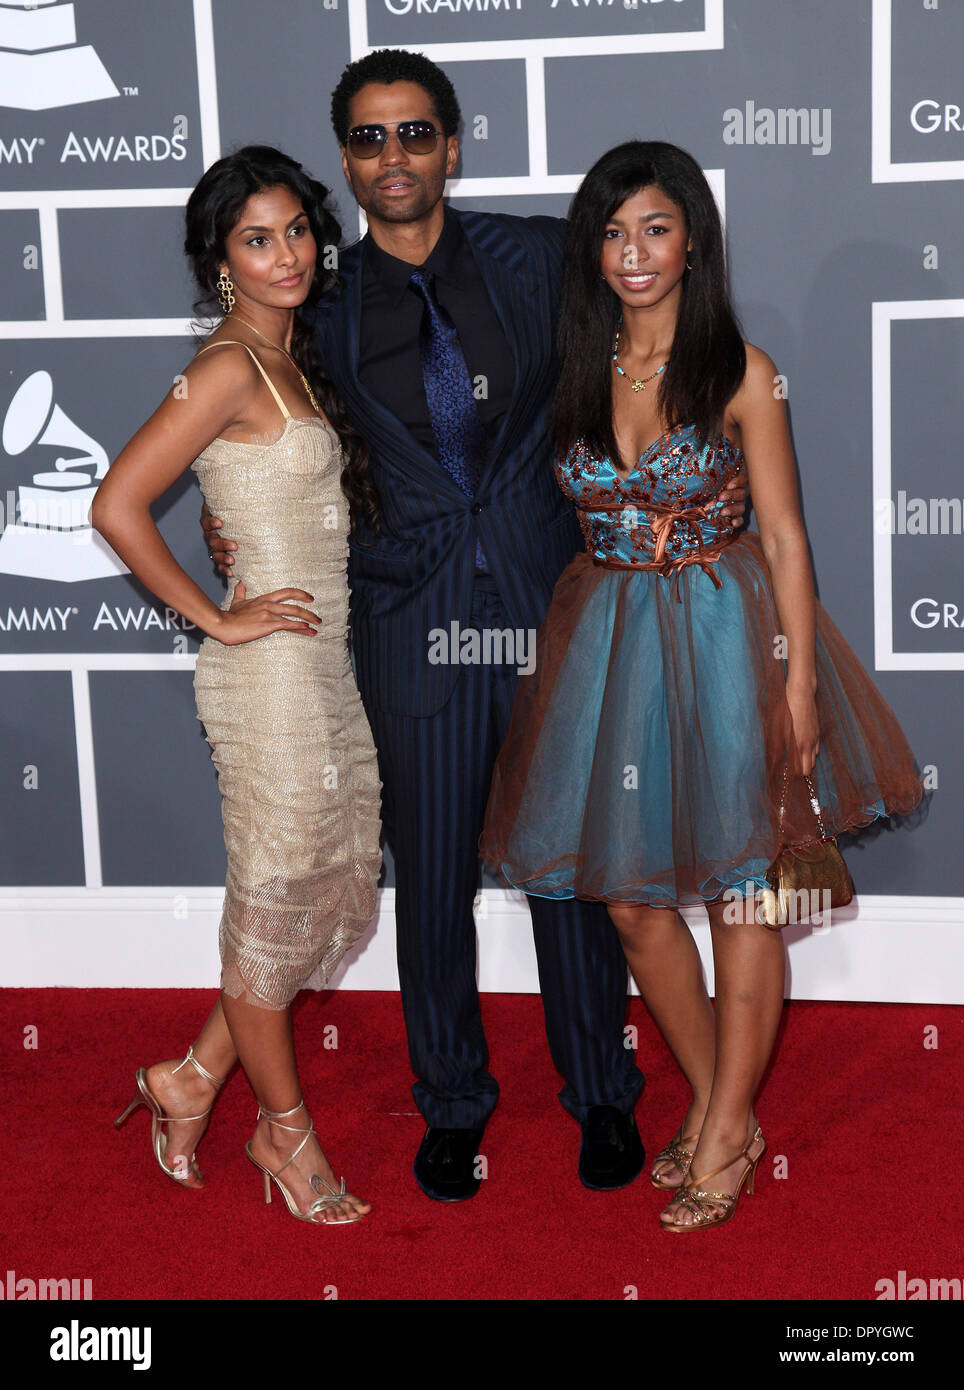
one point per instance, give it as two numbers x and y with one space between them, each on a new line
687 681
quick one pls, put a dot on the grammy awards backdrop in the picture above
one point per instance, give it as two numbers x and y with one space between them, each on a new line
833 136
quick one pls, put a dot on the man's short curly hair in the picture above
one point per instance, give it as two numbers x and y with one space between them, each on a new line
389 65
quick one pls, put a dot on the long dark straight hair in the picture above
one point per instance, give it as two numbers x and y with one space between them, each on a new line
213 208
707 361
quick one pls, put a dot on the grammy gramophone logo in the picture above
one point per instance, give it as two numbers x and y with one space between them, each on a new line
41 63
52 537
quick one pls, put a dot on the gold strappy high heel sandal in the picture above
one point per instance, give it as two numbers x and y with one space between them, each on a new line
145 1096
320 1204
677 1154
694 1197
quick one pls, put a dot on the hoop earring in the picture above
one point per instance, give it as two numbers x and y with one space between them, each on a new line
225 295
688 266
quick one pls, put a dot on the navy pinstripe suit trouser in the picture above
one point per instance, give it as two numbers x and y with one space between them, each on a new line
436 773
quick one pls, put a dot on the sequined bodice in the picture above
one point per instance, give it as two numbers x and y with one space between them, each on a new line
665 513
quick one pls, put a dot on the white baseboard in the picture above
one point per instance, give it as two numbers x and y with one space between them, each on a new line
883 949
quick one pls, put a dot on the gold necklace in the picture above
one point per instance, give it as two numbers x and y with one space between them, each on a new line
311 394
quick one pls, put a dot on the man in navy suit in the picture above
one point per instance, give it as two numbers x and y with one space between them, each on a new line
481 549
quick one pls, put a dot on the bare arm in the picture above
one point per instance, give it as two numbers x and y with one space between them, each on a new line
218 387
765 435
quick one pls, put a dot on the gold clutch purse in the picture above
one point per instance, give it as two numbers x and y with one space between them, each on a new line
805 882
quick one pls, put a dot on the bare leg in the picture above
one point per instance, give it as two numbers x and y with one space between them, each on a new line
266 1050
750 963
186 1092
665 963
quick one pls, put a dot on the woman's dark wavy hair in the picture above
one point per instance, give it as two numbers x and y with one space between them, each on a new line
388 65
707 361
213 208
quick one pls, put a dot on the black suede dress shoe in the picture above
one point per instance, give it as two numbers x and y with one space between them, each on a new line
445 1167
611 1153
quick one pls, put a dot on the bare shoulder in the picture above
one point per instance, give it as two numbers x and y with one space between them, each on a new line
761 371
228 371
758 389
217 384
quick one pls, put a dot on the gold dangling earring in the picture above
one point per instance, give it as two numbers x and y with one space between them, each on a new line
225 295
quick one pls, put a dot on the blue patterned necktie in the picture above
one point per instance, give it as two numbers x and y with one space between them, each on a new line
459 434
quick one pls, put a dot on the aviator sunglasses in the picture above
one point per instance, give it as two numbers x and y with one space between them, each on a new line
415 137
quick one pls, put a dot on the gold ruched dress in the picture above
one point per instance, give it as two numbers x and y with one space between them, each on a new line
297 768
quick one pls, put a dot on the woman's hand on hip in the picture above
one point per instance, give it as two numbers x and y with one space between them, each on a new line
250 618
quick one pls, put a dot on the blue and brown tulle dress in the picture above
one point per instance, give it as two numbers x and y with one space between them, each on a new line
646 758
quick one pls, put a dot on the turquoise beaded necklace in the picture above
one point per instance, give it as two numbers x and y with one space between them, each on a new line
637 384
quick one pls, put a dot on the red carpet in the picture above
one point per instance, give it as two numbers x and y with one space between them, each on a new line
867 1119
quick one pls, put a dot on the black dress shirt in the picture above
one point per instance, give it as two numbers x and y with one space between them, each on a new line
389 363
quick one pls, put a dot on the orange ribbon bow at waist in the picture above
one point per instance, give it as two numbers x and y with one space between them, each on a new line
662 523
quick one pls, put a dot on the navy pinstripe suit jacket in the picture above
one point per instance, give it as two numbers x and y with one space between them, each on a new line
419 573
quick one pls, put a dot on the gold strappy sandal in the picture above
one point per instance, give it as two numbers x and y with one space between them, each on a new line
145 1096
320 1204
677 1154
694 1197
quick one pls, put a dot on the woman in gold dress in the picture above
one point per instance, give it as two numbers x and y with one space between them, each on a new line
264 431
